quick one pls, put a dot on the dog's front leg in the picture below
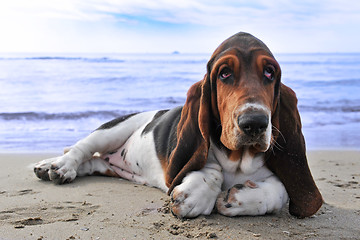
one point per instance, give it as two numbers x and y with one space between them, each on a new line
197 193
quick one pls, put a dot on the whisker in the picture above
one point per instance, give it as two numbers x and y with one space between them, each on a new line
275 143
279 133
272 149
278 146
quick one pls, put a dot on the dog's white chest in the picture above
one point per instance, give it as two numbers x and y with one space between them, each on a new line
248 167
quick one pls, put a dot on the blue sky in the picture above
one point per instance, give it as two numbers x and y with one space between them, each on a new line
190 26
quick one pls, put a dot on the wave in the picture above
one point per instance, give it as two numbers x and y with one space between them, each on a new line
33 116
141 59
171 61
309 63
55 58
337 82
101 59
319 59
329 108
106 115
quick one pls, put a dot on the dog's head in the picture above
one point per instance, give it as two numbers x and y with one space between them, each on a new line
245 80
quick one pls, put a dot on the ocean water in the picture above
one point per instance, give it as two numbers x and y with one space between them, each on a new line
48 101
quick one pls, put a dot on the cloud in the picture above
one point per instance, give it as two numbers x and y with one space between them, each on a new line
112 25
199 12
217 13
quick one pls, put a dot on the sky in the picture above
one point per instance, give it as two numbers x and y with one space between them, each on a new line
187 26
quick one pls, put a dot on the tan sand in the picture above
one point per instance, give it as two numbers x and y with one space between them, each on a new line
110 208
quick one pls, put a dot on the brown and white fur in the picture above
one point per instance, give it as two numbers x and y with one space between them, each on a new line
236 145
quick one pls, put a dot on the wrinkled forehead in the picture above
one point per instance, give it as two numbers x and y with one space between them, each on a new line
243 45
242 41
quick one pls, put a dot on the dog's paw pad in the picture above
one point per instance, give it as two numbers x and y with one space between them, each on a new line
42 173
57 170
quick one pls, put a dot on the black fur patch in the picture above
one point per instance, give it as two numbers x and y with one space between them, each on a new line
115 122
239 186
153 122
165 132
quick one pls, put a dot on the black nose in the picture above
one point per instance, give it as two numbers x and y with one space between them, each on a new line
253 124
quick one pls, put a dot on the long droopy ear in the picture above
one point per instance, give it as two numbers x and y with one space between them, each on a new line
193 140
288 158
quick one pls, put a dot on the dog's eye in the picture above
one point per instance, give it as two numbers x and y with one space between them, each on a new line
269 72
225 73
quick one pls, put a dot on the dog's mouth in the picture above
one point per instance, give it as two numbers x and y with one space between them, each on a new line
260 143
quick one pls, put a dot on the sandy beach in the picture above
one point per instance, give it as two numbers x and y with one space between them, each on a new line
111 208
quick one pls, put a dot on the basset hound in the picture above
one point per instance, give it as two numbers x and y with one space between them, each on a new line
236 145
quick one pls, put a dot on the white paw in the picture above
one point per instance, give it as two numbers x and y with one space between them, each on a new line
242 199
253 198
194 197
59 170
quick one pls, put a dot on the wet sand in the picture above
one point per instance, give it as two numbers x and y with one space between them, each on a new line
111 208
